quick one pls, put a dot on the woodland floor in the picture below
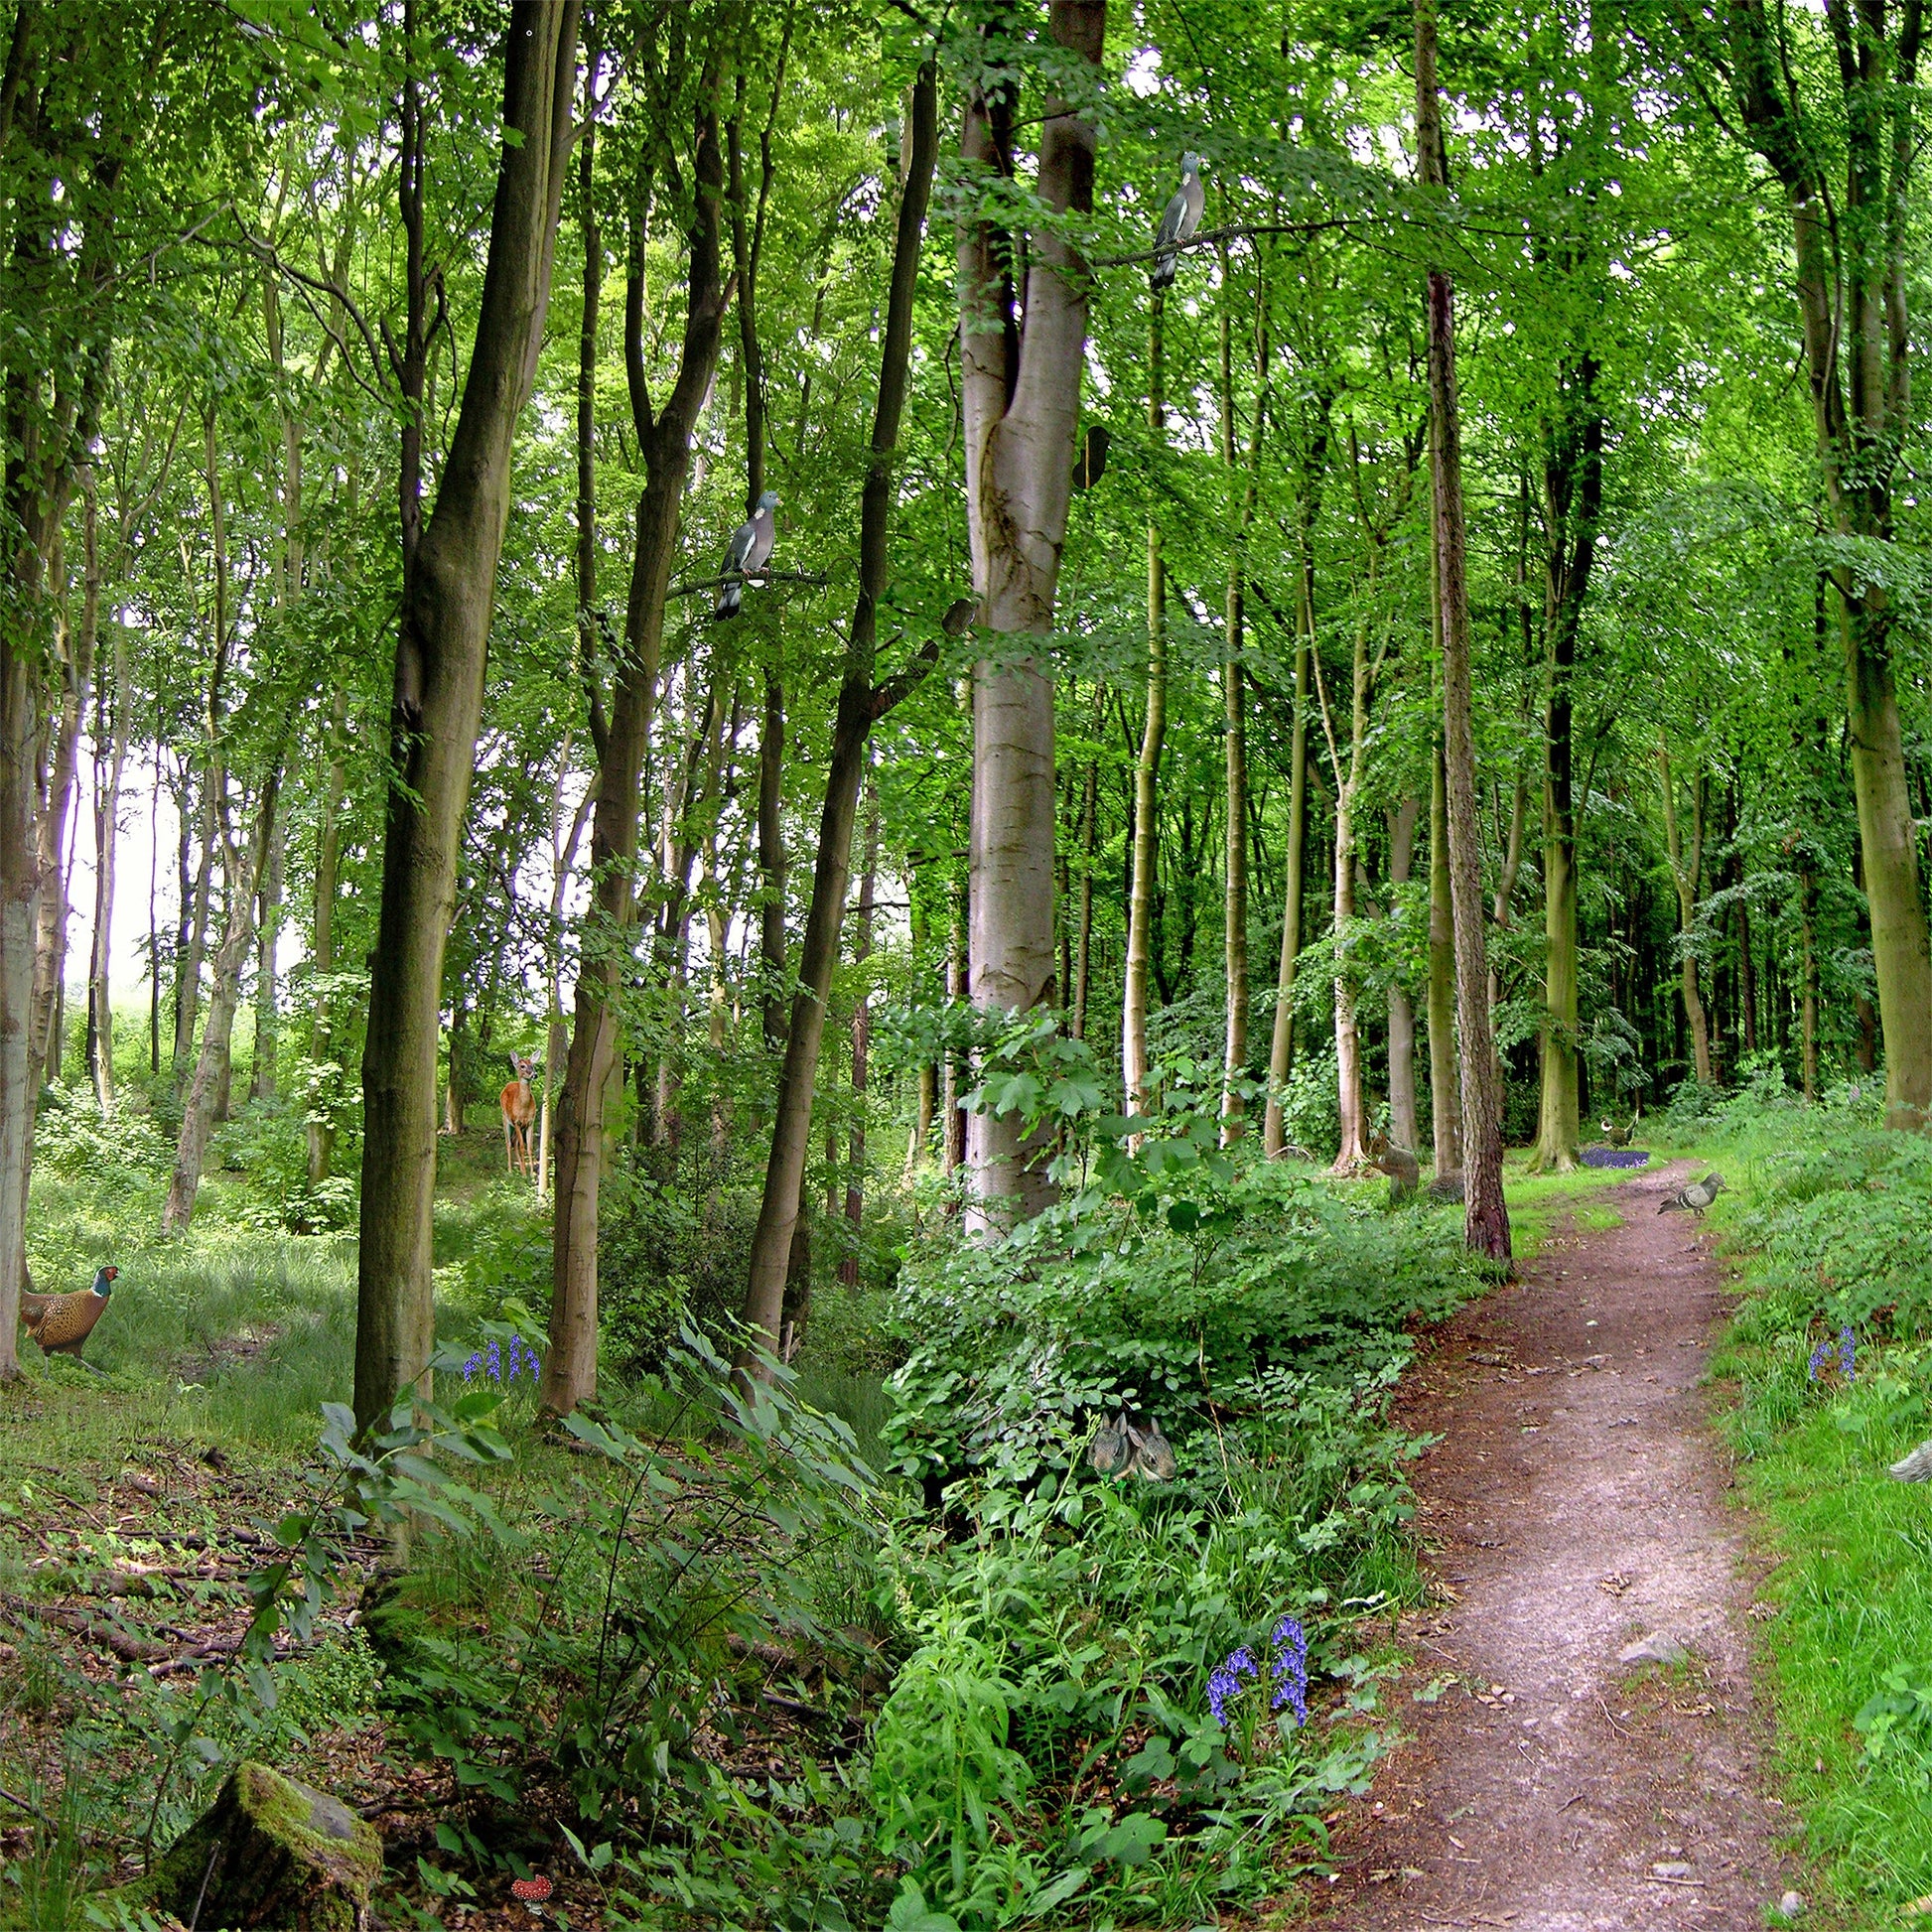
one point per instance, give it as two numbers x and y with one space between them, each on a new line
1578 1503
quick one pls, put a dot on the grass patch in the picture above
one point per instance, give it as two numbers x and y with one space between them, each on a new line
1830 1221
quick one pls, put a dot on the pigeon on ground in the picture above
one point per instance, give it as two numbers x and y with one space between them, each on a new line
750 547
1179 221
1698 1195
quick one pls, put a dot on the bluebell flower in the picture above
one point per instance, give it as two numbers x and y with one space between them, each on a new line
1847 1354
1289 1668
1819 1357
1225 1682
494 1361
470 1367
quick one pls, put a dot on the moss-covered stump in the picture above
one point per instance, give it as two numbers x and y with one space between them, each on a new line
271 1855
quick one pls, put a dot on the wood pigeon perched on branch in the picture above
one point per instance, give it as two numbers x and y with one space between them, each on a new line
1179 220
747 550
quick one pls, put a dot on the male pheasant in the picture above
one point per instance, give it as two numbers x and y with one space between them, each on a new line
61 1324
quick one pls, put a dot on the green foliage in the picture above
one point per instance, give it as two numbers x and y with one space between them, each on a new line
1829 1219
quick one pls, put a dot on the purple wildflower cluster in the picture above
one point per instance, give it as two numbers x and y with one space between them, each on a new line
1847 1352
1288 1671
1615 1157
489 1361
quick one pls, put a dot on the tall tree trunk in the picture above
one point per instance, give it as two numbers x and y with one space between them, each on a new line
952 1140
562 856
1083 933
1404 1128
56 820
1234 1054
441 652
664 438
1807 912
1572 474
855 1184
1851 279
861 703
261 1086
1687 874
1020 385
1147 771
1485 1215
1281 1049
771 865
111 726
321 953
215 777
154 929
224 994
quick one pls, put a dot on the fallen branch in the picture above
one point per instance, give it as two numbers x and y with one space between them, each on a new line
21 1804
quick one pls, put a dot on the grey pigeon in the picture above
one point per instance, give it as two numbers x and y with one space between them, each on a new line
1916 1468
1698 1195
1179 221
747 550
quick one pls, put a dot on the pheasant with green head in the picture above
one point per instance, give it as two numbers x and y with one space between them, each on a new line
61 1324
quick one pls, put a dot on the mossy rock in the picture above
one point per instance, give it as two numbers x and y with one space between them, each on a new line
268 1854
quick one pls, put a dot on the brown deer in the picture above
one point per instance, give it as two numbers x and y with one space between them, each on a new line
519 1105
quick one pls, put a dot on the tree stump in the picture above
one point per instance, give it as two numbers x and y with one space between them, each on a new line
272 1855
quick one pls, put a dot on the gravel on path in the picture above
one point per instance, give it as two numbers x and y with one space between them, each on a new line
1584 1753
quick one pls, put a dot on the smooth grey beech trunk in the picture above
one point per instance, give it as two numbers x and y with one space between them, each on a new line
436 707
1021 388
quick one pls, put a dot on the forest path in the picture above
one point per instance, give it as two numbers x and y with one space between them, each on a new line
1575 1505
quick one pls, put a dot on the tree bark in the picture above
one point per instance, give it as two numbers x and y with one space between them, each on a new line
860 704
1281 1049
1021 384
1574 491
440 654
1404 1128
1687 875
1485 1215
321 953
1852 279
1083 933
225 991
855 1183
1234 1054
1146 772
664 442
1807 907
261 1085
111 726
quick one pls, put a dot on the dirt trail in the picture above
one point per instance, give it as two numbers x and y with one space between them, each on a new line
1576 1506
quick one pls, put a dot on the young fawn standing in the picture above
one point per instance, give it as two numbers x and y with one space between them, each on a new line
519 1113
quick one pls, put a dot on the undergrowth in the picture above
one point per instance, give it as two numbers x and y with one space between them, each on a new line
1830 1358
1050 1586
